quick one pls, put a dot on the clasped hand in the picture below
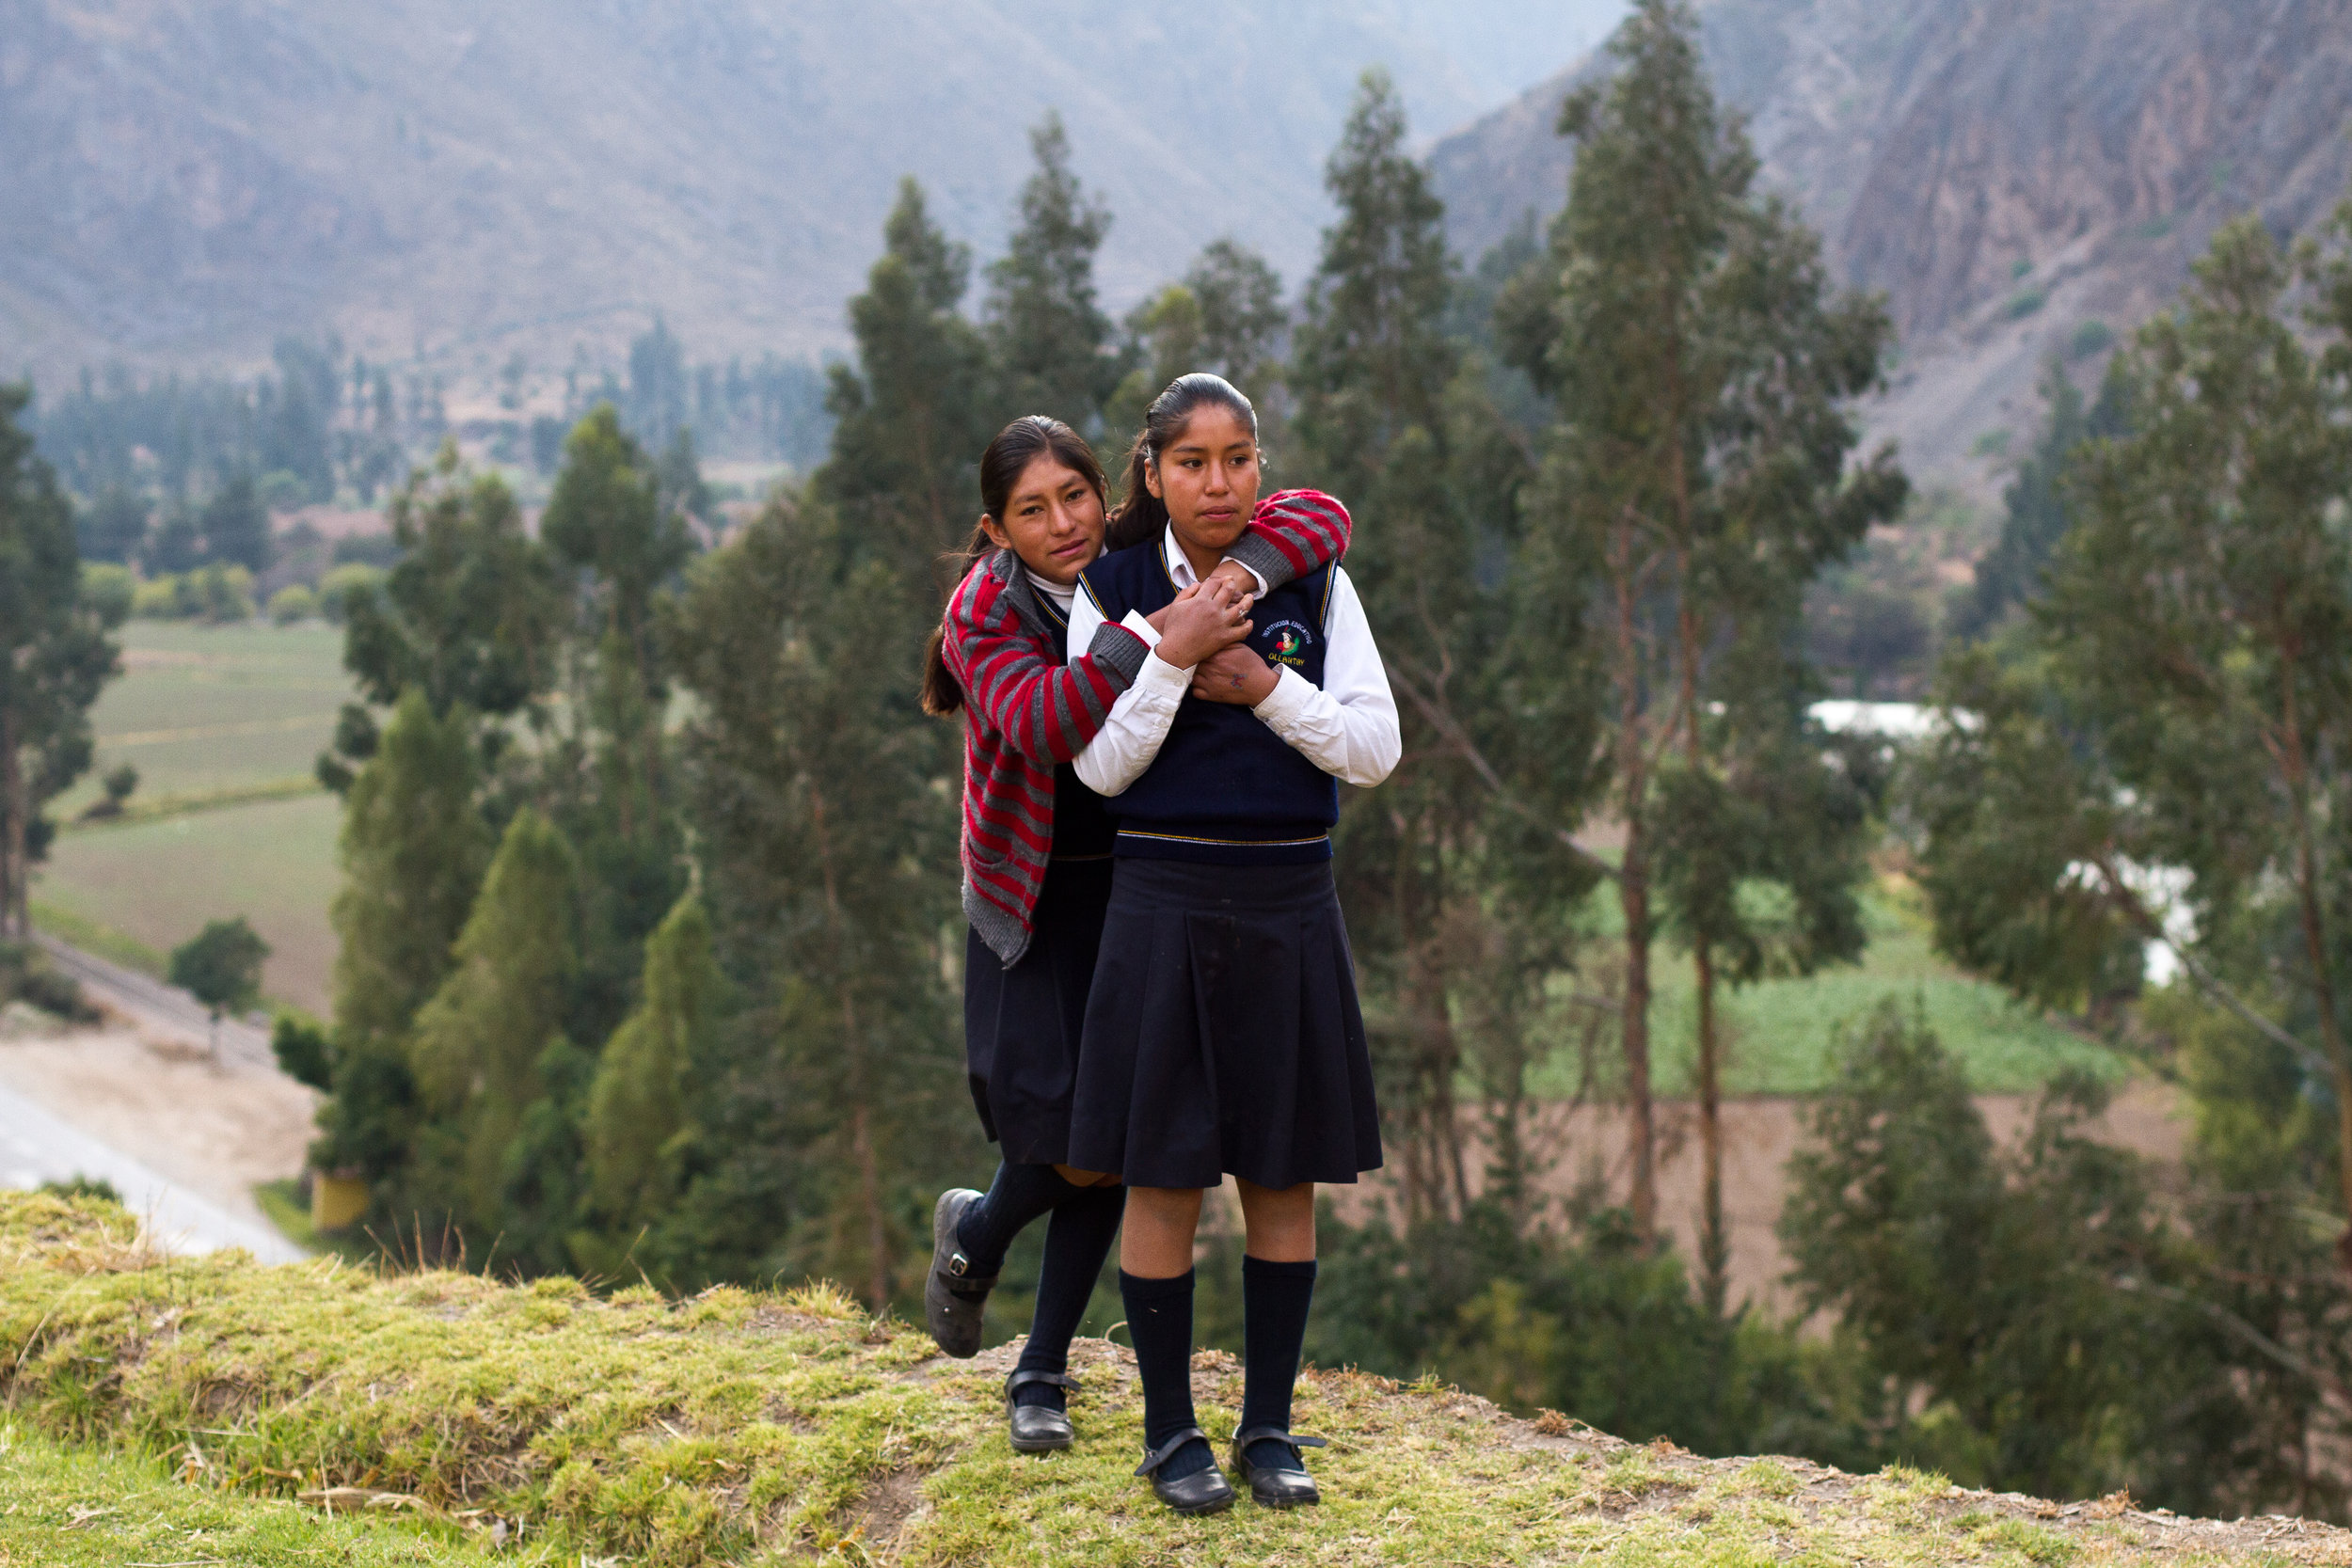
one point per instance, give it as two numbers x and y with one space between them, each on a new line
1203 629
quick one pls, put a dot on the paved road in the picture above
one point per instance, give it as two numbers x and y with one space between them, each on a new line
37 1146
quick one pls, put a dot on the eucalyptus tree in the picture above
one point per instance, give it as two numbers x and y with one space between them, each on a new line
2174 763
57 653
1701 371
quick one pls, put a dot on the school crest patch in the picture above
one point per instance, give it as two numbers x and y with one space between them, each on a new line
1290 642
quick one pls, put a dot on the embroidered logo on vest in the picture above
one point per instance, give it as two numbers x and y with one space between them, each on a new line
1290 643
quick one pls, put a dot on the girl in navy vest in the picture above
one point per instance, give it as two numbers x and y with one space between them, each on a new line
1223 1035
1037 866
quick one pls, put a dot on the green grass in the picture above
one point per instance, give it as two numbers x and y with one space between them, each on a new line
92 936
156 882
759 1427
69 1508
1781 1037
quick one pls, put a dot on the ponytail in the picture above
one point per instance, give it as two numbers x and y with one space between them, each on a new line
941 695
1141 515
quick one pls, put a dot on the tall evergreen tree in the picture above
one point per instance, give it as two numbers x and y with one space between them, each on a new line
639 1105
1390 419
478 1043
1696 481
827 832
2036 509
911 417
1051 340
470 615
2193 706
56 651
414 848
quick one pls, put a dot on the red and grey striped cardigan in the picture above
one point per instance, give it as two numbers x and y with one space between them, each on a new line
1025 711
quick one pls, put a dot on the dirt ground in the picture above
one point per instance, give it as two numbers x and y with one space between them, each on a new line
216 1128
1760 1135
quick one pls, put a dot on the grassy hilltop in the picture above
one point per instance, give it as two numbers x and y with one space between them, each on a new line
210 1410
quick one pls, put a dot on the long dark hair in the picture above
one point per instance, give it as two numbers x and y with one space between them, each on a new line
1008 457
1141 512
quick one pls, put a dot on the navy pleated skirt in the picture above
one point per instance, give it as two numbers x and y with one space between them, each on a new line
1222 1035
1022 1025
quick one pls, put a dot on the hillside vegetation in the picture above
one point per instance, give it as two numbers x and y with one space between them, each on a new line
745 1426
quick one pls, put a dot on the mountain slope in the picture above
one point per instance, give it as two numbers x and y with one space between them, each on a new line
185 180
2005 170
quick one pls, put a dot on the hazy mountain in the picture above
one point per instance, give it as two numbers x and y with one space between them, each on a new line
183 180
2006 171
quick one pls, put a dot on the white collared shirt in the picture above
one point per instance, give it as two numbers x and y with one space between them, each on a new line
1346 726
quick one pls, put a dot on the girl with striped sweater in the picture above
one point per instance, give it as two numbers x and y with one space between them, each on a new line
1037 866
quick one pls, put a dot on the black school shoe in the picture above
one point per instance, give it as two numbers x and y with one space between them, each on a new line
954 1315
1036 1428
1203 1491
1272 1488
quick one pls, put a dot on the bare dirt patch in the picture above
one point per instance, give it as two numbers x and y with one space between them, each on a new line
217 1128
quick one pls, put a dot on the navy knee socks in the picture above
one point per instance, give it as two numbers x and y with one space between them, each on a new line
1160 1320
1275 1299
1019 1194
1077 1243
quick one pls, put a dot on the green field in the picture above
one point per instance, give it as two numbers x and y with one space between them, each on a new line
199 709
1782 1036
158 881
212 717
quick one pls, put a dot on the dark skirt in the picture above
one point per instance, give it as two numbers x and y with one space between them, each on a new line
1021 1026
1222 1035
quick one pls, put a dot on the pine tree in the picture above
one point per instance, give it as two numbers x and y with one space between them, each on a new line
1050 337
1227 318
911 417
56 654
478 1044
1701 375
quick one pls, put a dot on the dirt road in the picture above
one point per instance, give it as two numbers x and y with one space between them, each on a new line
142 1102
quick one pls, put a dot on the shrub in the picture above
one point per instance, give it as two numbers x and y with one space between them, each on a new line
336 588
157 599
2089 339
293 603
109 588
221 965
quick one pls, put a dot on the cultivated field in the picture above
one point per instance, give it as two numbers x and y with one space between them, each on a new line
223 723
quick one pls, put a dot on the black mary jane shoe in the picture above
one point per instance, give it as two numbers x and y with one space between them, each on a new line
955 1300
1203 1491
1272 1488
1038 1428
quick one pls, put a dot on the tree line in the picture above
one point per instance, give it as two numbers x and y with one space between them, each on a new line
649 945
173 473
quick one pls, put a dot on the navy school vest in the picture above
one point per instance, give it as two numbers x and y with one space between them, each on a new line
1225 789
